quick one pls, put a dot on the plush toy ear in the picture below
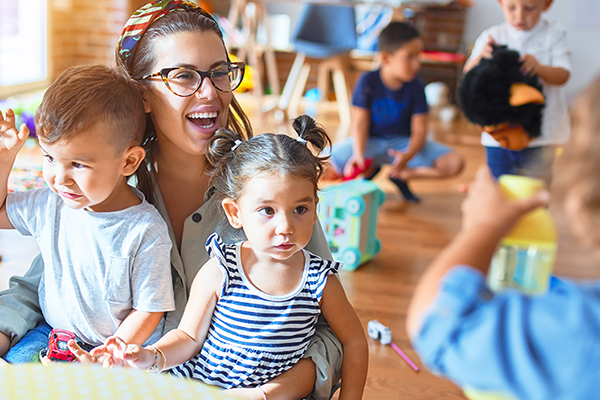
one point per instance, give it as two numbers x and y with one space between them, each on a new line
522 93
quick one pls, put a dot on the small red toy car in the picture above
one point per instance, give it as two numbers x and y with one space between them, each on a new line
58 350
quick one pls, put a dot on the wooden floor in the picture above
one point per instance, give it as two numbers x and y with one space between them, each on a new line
411 235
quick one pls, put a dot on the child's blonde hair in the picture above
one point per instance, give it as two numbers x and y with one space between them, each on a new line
581 166
233 160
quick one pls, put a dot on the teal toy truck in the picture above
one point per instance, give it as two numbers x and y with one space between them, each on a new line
348 214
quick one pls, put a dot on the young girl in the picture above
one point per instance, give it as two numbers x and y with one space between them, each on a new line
254 305
544 347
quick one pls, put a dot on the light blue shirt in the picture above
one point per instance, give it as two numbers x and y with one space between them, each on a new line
545 347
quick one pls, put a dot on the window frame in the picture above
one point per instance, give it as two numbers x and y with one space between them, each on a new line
12 90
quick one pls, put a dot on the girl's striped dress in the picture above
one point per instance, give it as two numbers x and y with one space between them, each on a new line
255 336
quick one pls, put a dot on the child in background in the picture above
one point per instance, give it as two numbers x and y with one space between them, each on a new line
545 52
543 347
389 118
105 249
253 307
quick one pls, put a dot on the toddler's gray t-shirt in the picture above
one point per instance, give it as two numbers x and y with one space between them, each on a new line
98 266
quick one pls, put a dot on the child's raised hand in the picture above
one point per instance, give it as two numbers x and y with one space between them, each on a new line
11 139
529 64
486 207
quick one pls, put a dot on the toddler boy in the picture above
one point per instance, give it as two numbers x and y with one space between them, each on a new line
545 52
106 251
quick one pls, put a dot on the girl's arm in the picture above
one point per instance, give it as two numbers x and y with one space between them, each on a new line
345 323
487 217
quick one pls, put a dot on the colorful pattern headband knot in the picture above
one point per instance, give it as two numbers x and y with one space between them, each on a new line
140 21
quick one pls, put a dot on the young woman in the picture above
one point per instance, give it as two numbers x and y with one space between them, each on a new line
178 54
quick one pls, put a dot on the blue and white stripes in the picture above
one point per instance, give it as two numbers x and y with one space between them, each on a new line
255 336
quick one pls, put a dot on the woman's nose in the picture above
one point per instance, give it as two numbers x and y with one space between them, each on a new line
207 89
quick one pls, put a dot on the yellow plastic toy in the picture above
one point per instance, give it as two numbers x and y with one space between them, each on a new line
526 255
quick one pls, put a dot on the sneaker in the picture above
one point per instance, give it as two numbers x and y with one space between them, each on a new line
405 190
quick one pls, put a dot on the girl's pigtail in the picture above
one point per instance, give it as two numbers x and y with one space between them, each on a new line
307 129
221 149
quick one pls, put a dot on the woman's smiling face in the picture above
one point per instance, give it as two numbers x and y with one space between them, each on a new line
188 122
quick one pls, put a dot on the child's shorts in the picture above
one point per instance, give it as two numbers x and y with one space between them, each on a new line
377 149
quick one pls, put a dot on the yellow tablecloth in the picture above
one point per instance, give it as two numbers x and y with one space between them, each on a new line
83 382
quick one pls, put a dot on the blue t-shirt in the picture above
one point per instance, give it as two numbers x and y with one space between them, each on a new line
526 347
391 110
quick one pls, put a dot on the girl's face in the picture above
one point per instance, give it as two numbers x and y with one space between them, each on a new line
277 214
187 123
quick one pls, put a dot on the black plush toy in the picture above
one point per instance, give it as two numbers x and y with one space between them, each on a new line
505 102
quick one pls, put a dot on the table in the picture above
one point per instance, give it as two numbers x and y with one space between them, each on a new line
76 381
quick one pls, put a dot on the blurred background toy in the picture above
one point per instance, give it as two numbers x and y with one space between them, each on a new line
505 102
439 100
380 332
348 214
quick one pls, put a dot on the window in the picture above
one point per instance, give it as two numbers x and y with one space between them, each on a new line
23 45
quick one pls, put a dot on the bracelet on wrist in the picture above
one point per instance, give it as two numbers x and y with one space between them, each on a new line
154 367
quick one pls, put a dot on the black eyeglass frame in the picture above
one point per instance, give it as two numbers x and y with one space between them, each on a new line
163 73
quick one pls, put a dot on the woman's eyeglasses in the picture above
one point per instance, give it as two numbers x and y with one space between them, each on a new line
184 82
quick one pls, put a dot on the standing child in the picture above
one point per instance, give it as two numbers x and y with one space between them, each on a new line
544 51
389 118
105 249
254 305
541 347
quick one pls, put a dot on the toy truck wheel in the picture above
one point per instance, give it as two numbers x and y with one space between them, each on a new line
351 258
355 206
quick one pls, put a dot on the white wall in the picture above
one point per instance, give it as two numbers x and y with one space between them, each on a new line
581 18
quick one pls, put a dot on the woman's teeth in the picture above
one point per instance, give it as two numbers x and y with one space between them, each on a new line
203 120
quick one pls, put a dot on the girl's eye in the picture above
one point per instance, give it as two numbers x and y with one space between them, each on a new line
301 210
267 211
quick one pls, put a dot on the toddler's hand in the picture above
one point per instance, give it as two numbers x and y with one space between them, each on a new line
355 161
487 208
488 48
399 163
529 64
122 354
11 140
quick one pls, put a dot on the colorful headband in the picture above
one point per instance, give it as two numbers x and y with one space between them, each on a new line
140 21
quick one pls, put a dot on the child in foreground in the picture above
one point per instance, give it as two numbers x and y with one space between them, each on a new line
545 53
253 307
105 249
544 347
389 119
